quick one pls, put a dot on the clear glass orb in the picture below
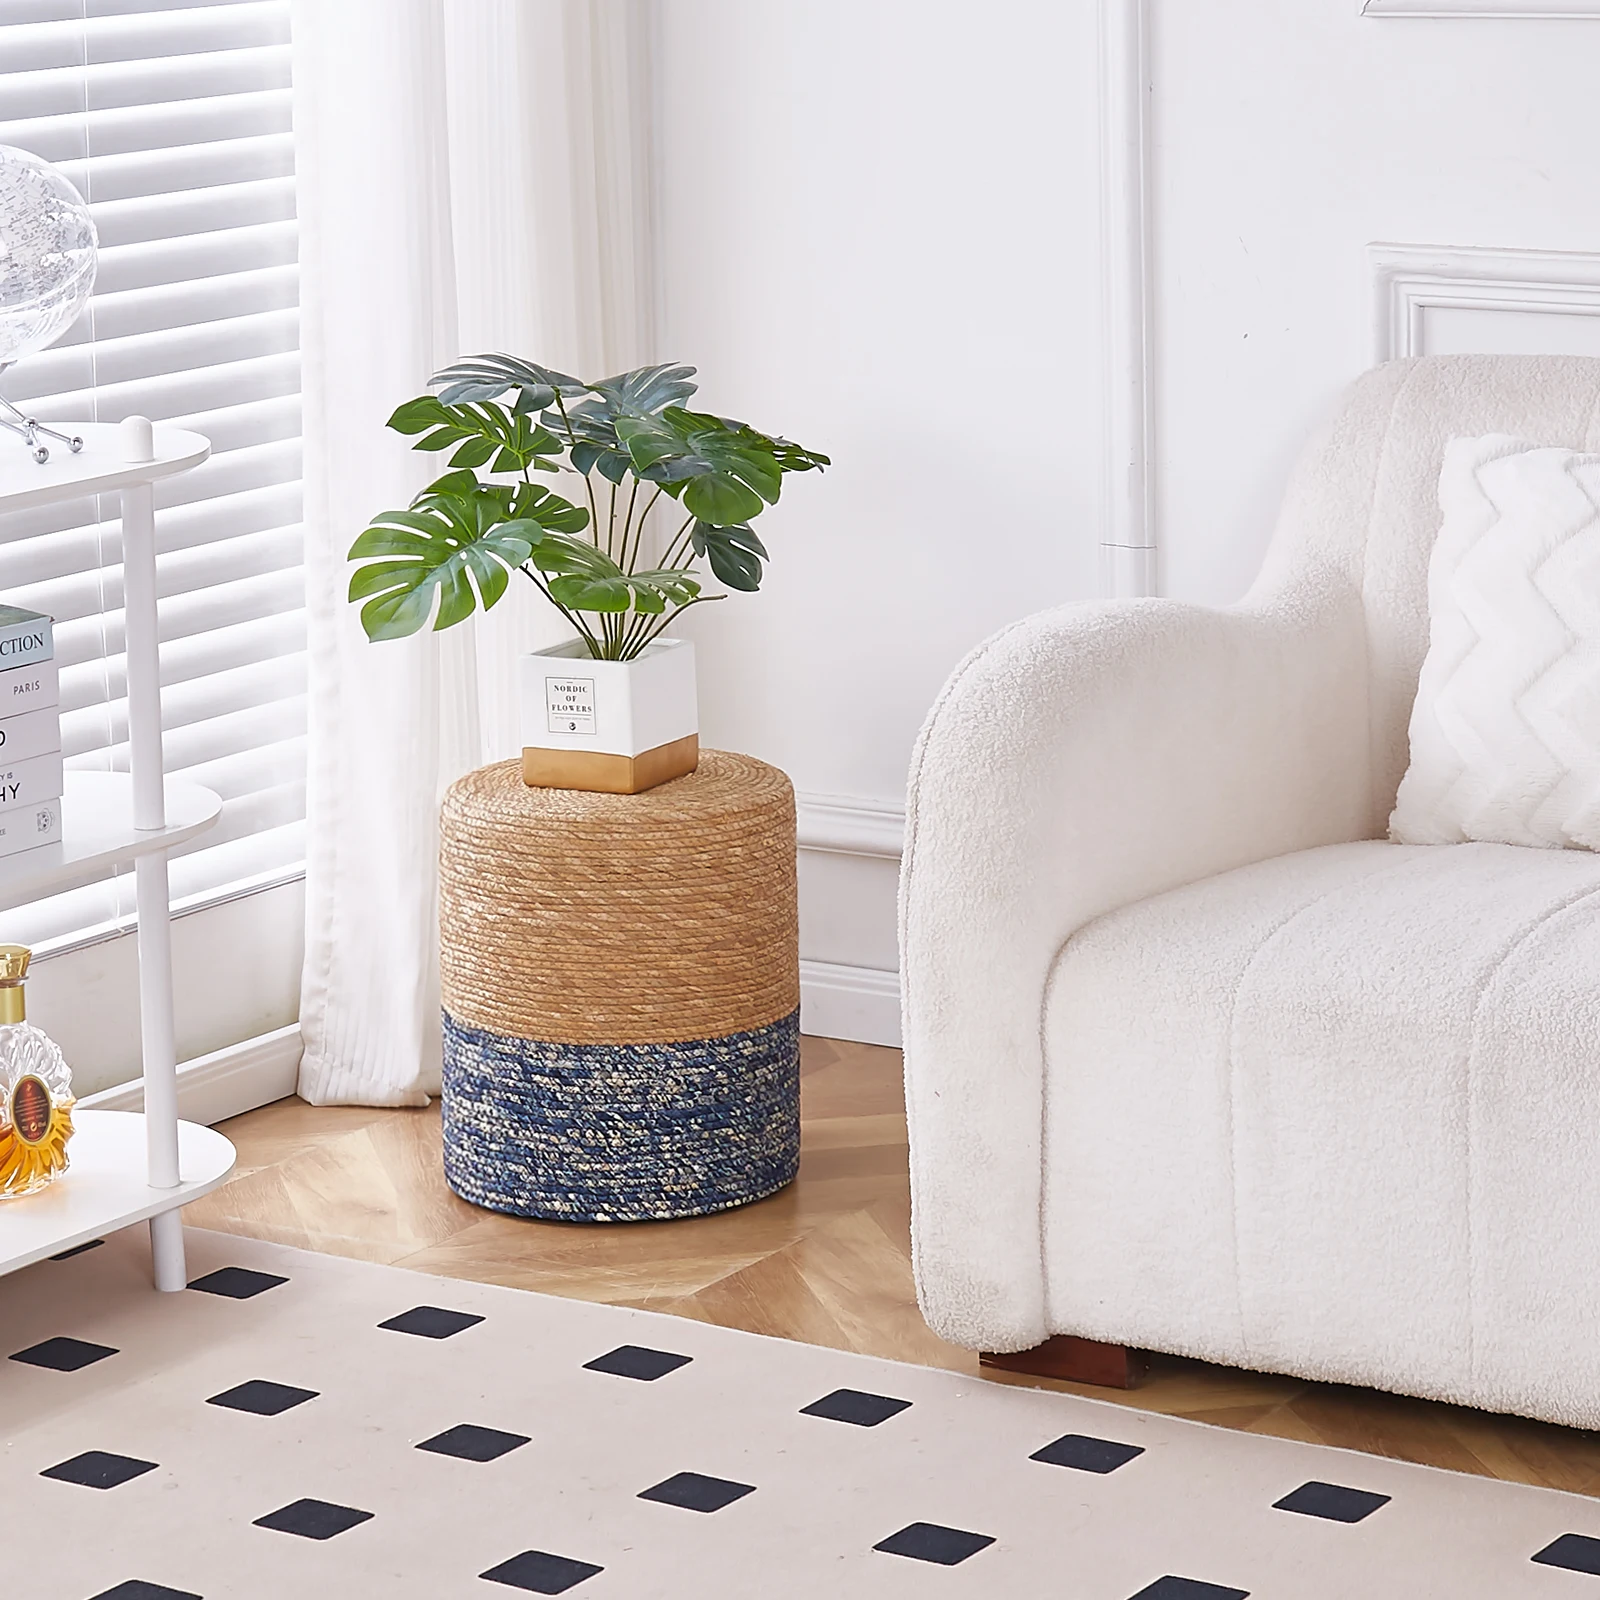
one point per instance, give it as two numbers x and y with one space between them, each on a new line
47 254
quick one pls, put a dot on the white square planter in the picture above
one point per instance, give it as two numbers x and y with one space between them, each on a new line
613 726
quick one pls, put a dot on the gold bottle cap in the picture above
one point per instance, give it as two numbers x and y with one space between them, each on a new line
14 959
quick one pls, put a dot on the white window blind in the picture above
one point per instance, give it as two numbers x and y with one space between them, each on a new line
173 121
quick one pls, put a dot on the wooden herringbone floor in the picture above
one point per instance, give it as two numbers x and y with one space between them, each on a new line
826 1262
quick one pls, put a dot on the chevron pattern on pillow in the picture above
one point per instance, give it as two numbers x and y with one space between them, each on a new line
1505 731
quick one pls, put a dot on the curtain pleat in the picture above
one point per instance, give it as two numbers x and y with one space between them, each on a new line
462 187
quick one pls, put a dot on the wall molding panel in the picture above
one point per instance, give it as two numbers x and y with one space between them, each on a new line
848 825
1548 10
1410 281
1128 542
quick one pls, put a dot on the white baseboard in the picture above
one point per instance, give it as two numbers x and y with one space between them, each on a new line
225 1083
836 1002
855 843
856 1003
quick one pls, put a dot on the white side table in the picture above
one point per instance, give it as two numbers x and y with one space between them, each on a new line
126 1166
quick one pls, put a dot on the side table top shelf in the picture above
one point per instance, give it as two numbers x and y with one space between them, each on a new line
96 469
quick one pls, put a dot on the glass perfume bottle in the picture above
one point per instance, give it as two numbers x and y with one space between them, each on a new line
35 1089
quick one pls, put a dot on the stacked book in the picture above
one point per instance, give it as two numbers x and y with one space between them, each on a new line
31 774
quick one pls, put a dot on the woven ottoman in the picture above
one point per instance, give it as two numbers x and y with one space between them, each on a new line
621 993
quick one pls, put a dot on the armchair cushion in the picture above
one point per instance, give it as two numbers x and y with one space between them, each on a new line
1080 760
1338 1114
1505 733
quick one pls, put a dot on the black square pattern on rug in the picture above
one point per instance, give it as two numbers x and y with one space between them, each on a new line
1087 1454
1574 1551
237 1283
1331 1501
313 1519
64 1355
470 1443
99 1469
431 1322
928 1541
77 1250
263 1398
855 1405
1171 1588
696 1492
635 1361
539 1572
138 1589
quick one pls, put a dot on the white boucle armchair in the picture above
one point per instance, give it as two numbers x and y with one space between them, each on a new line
1196 1060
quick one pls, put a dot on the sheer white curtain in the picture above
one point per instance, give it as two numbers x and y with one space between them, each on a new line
473 175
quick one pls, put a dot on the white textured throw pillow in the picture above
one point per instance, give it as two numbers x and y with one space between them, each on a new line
1505 733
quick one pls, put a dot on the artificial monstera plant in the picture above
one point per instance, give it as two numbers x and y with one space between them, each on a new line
599 562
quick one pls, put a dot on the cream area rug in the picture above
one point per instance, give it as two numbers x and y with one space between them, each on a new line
302 1426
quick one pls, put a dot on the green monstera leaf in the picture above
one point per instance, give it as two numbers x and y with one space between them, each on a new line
454 544
530 501
725 472
587 579
592 426
477 378
497 417
488 435
735 554
646 390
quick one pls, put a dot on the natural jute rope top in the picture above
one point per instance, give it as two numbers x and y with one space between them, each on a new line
620 919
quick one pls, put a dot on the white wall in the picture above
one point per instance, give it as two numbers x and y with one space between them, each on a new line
236 970
878 227
876 224
1287 137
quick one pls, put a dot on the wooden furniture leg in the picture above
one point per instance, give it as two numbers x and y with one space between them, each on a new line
1111 1366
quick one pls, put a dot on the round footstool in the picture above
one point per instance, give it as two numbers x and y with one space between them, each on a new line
621 986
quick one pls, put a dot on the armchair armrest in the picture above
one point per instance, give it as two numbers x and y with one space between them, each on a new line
1080 760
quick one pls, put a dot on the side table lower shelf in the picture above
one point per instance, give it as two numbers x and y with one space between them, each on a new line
105 1189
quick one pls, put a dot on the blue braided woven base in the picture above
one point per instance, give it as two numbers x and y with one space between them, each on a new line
620 1133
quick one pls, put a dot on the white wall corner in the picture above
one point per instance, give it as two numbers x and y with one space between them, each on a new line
224 1084
1128 564
1410 281
1128 571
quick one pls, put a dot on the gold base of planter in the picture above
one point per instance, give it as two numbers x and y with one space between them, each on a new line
599 773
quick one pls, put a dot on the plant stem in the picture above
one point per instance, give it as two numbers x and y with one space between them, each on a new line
594 511
639 527
670 618
627 526
678 538
637 625
594 536
566 421
611 526
571 616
